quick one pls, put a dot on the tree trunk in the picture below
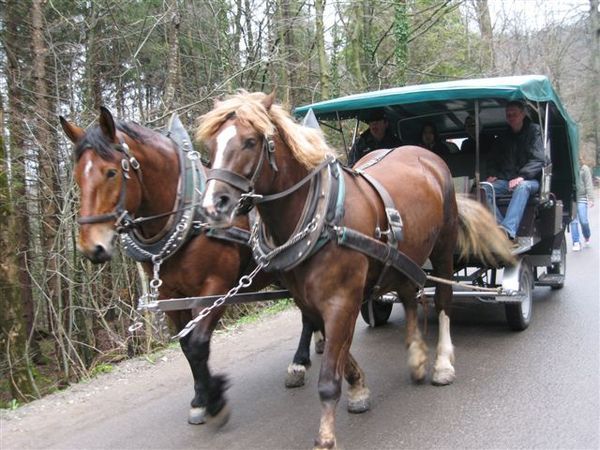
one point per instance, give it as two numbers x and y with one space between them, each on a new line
401 33
485 27
173 56
16 299
324 76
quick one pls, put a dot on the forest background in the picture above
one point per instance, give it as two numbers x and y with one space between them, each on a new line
63 319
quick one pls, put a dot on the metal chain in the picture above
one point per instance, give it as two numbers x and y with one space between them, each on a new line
245 281
156 282
266 258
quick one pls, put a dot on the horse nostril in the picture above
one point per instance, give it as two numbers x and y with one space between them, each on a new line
100 253
223 202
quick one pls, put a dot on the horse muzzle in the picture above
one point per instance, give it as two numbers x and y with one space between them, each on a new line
96 245
219 206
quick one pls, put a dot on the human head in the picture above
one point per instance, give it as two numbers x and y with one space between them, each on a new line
515 115
470 125
428 134
378 124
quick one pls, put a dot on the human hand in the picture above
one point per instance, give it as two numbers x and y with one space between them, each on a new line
514 183
591 203
491 179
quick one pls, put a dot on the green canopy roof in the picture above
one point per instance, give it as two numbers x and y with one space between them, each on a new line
436 98
535 88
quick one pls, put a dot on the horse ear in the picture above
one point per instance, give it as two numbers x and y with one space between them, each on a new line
268 100
73 132
107 123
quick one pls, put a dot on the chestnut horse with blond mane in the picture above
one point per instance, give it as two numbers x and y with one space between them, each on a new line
400 204
125 169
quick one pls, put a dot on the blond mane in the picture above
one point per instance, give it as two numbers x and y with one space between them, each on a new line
307 145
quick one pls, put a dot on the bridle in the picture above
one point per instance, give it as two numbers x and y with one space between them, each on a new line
122 218
243 184
249 198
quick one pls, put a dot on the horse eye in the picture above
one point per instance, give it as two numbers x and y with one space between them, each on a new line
111 173
249 143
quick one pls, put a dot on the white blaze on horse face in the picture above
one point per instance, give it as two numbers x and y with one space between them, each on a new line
88 168
223 139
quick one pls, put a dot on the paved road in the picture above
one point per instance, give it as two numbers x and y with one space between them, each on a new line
535 389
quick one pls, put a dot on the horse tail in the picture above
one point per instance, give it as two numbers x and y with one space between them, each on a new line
479 237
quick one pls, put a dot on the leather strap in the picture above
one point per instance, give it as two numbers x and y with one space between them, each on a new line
359 242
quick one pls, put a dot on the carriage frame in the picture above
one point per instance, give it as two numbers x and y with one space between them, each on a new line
541 251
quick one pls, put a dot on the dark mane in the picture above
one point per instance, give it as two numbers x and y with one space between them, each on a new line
95 139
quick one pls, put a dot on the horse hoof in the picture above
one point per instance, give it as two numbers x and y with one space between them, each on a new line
359 406
295 376
197 416
443 377
320 346
360 401
221 418
418 376
324 445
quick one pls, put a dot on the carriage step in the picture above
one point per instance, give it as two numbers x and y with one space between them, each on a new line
550 279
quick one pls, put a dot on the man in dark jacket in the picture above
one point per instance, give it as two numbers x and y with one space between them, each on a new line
518 161
377 136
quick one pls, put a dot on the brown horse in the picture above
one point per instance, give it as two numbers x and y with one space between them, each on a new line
259 155
123 167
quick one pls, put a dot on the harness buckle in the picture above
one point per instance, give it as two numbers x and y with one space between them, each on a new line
134 163
125 166
394 223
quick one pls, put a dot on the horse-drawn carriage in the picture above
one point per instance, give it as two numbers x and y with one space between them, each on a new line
336 236
541 245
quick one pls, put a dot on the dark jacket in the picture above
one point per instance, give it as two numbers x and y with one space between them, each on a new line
518 154
366 143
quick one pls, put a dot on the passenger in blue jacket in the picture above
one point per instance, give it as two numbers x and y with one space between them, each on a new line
518 159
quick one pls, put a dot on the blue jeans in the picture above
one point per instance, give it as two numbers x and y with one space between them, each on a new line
581 219
517 204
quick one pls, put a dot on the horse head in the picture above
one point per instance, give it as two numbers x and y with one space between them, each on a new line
255 148
102 170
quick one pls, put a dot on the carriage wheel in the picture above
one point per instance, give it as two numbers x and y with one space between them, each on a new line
518 315
381 312
560 268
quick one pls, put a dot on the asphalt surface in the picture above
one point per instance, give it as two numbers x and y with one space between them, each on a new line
533 389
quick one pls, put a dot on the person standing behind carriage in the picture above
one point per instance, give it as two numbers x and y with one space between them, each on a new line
585 195
377 136
518 158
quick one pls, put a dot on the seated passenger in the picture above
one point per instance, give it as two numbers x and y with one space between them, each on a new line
430 140
518 159
468 145
377 136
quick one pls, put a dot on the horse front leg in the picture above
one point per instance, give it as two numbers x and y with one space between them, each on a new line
359 395
339 327
209 401
297 369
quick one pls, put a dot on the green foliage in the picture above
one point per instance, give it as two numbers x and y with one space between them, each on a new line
101 368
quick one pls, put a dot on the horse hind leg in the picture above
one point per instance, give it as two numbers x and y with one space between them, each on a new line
359 395
443 369
417 349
